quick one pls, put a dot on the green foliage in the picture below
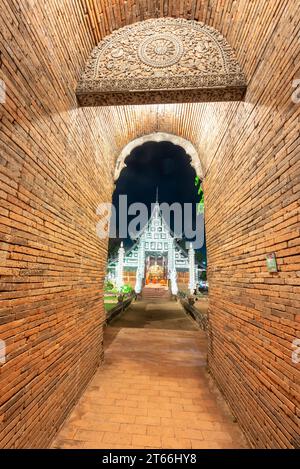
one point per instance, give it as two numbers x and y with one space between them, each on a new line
109 306
199 257
126 289
200 206
203 276
113 247
108 286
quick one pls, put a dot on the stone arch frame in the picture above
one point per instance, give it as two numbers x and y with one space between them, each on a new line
159 137
162 60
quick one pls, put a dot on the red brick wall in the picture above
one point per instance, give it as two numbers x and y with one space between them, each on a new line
53 176
252 208
56 167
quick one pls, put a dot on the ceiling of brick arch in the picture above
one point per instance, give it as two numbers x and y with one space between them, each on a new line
197 123
243 23
247 28
233 19
250 27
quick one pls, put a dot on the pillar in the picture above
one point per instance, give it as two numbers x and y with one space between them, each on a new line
192 274
120 268
140 272
172 273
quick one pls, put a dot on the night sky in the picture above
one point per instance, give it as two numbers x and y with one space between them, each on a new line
158 165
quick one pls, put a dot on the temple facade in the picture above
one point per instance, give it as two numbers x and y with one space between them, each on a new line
155 258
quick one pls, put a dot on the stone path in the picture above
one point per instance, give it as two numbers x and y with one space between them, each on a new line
157 314
153 390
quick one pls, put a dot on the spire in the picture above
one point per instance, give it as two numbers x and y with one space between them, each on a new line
156 211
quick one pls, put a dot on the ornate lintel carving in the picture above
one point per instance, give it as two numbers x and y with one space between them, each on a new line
163 60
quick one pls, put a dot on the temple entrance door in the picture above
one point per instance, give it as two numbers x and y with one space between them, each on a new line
156 270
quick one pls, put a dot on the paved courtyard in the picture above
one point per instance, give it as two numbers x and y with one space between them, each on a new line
153 390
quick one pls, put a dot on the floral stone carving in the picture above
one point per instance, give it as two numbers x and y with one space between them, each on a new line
163 60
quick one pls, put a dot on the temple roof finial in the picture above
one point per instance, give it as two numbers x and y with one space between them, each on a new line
157 195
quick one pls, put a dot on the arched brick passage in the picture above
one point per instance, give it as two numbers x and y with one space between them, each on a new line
162 60
57 165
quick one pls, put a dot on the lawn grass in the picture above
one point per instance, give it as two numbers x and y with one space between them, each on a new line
109 306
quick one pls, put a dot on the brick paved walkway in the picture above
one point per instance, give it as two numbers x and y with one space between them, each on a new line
153 390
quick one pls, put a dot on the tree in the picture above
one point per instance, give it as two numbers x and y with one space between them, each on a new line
203 276
113 247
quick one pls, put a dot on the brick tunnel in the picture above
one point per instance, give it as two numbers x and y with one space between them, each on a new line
60 151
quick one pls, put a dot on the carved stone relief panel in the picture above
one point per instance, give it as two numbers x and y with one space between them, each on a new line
163 60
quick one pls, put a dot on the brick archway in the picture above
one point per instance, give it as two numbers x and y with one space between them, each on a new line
165 60
57 161
160 137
